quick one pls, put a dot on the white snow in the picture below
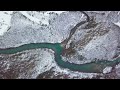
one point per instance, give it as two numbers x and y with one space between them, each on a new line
39 17
107 70
117 66
118 24
30 17
5 18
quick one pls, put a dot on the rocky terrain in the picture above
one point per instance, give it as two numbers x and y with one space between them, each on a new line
98 39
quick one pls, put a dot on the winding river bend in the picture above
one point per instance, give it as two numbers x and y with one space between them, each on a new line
93 67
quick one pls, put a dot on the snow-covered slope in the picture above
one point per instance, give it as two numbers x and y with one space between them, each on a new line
34 16
5 20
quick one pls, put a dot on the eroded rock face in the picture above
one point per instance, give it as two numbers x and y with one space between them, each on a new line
100 42
26 65
103 46
105 16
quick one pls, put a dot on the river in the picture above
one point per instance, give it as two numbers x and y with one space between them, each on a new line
93 67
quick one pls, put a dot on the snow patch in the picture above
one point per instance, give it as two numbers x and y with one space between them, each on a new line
5 19
39 17
107 70
118 24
